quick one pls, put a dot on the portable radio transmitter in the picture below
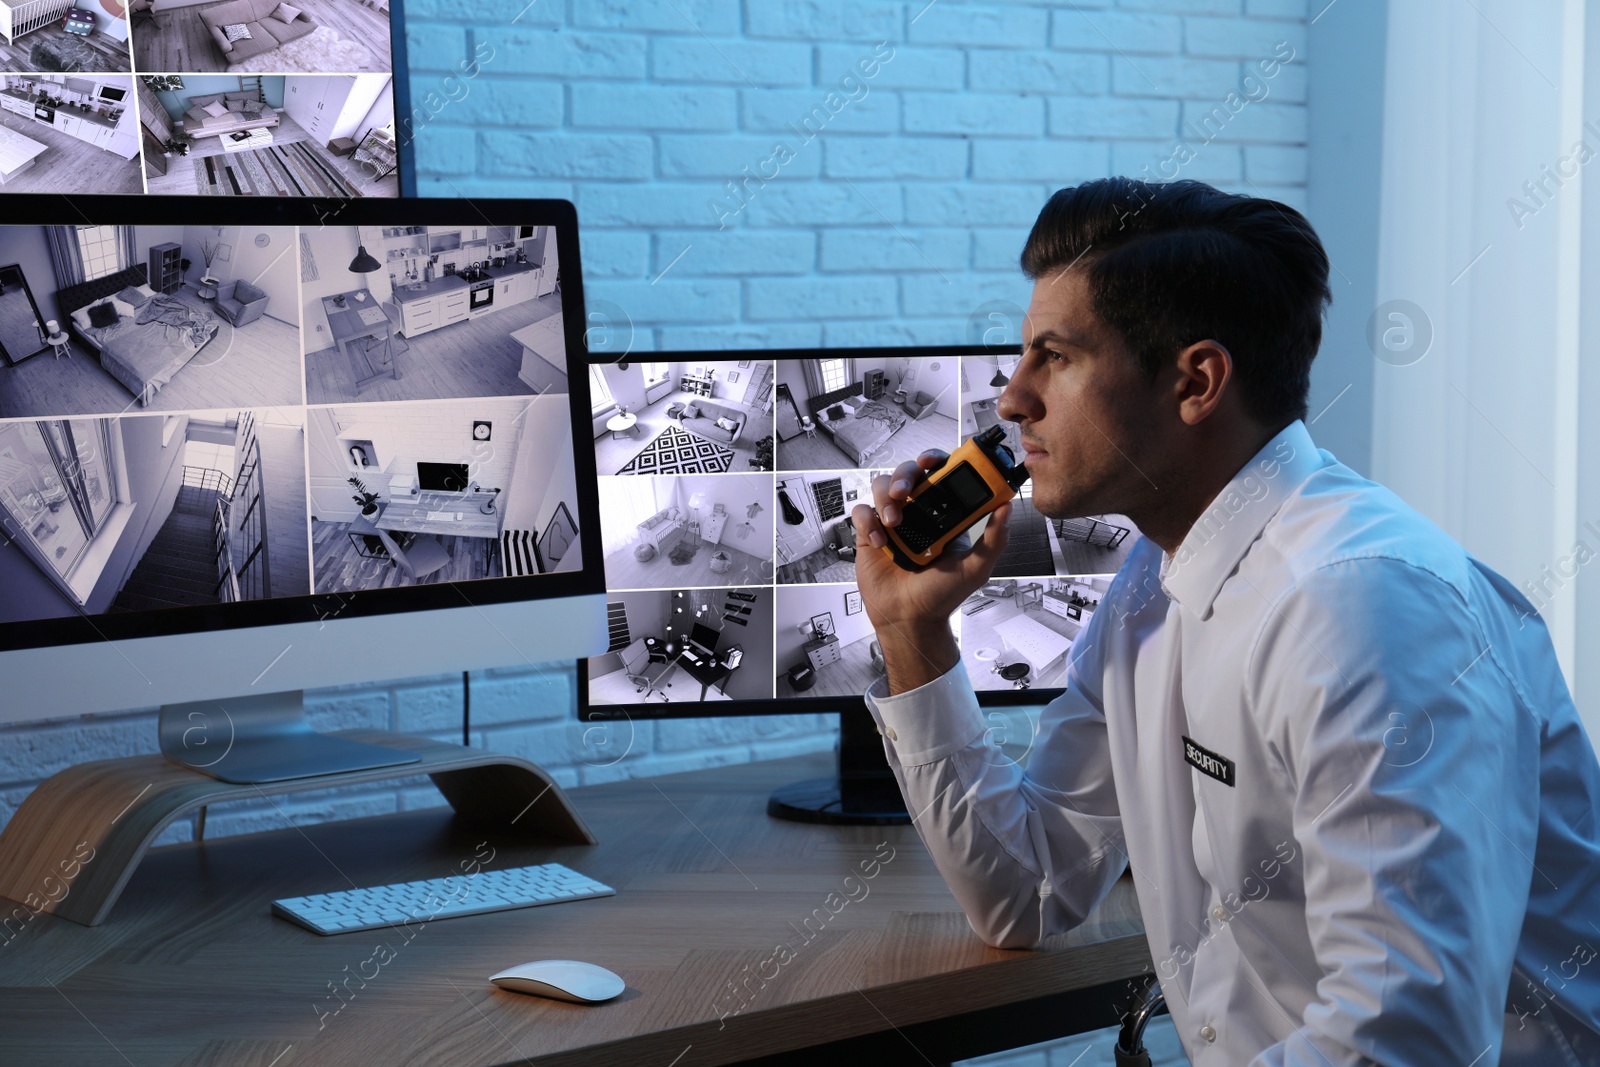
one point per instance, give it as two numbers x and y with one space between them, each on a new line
976 478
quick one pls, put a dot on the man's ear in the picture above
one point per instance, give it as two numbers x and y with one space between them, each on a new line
1204 370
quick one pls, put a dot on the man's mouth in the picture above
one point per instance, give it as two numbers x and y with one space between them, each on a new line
1032 453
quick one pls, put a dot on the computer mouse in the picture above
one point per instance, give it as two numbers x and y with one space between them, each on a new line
571 980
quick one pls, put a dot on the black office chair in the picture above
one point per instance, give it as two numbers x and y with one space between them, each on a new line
1129 1050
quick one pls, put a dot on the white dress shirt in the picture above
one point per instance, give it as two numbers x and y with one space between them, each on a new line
1340 758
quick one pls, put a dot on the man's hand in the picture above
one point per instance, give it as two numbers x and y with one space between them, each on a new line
911 609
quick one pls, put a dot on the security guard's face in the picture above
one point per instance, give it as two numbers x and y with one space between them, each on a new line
1086 413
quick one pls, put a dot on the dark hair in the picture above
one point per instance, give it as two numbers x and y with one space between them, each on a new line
1174 263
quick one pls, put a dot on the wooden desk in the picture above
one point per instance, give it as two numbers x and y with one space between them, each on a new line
411 516
193 969
348 327
712 672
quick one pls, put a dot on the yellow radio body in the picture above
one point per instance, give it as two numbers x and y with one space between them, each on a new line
977 478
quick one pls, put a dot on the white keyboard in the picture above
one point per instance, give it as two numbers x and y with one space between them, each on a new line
439 898
443 516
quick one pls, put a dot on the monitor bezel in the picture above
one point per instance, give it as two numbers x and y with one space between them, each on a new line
465 479
47 210
695 640
405 131
798 705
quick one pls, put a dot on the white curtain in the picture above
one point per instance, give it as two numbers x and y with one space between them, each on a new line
308 261
65 256
625 503
1488 236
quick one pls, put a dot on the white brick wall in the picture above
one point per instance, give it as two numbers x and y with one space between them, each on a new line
909 207
439 431
528 712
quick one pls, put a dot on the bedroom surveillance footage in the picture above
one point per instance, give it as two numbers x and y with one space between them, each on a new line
156 445
726 487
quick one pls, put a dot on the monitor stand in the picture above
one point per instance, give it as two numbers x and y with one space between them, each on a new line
863 793
90 824
262 738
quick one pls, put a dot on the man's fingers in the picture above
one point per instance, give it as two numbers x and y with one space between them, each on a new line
986 553
904 477
880 500
869 532
897 485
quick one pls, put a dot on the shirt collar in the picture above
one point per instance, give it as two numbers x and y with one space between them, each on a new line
1230 524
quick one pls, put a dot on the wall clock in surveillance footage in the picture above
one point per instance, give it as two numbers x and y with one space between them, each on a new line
480 431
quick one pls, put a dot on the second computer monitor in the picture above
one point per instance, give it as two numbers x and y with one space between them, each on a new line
726 484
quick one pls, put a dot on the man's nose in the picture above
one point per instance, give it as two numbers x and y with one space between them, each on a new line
1018 401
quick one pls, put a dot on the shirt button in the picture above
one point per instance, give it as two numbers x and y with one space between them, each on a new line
1219 913
1207 1034
888 731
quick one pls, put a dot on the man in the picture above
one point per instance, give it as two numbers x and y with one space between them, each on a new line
1335 750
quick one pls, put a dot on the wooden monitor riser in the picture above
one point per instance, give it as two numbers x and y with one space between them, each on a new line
76 839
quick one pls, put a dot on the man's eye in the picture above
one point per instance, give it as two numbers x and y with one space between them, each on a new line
1054 356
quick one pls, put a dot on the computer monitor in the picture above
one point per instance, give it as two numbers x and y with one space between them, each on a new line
450 477
704 638
222 118
726 484
220 480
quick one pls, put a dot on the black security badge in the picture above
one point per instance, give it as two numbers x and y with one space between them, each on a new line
1208 762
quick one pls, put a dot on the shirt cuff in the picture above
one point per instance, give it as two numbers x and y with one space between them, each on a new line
931 722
